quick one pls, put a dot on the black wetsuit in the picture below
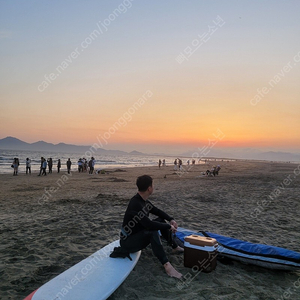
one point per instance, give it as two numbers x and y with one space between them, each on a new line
138 231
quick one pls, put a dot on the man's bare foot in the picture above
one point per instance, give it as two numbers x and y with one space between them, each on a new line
178 249
171 271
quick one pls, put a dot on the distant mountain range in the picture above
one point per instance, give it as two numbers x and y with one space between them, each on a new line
11 143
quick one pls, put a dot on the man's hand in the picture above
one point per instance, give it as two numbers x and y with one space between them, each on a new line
173 223
173 229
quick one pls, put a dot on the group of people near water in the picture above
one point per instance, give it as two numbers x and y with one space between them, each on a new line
177 163
161 163
49 163
178 166
83 165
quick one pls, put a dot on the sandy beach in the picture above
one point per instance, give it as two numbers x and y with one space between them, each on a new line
50 223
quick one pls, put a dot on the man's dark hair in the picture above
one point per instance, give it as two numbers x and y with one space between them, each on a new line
143 182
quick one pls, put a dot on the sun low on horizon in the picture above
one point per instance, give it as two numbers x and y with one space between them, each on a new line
151 75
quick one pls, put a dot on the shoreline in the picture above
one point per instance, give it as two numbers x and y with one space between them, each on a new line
44 232
106 161
204 161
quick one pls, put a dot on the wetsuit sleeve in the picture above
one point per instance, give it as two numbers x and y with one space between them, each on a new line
146 222
158 212
136 216
153 225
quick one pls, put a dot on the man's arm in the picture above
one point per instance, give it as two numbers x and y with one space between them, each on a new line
158 212
138 213
153 225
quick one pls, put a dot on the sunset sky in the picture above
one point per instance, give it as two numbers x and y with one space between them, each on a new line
151 75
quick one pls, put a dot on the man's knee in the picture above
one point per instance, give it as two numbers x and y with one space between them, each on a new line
154 236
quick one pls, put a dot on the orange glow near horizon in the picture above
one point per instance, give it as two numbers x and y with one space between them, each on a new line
147 132
158 123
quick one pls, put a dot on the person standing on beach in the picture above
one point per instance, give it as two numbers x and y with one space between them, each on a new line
85 165
41 168
180 164
44 167
138 231
159 163
58 165
28 166
80 165
15 165
92 165
69 163
175 164
50 164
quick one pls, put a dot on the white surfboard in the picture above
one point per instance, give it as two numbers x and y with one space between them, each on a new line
94 278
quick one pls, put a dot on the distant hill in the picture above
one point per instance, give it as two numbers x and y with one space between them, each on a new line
136 153
278 156
12 143
246 153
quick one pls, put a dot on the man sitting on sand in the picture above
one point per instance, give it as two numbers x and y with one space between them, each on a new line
138 231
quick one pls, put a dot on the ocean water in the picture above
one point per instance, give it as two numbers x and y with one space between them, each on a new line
102 161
